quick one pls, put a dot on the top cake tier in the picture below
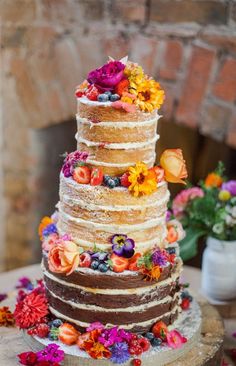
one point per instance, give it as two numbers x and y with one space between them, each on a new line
115 139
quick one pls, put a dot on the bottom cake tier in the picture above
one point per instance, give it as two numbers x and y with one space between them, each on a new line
114 299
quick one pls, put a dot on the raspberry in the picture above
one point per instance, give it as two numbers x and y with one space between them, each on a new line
135 350
92 93
42 330
144 344
124 180
137 362
134 336
32 331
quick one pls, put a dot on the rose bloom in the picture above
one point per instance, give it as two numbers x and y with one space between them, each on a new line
175 231
182 199
107 76
230 186
64 258
50 241
173 163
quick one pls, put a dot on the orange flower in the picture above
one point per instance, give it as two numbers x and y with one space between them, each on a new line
173 163
213 180
152 274
175 231
143 180
44 223
64 258
89 343
98 351
6 317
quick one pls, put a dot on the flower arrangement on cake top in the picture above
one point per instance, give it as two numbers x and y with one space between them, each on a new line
124 84
207 210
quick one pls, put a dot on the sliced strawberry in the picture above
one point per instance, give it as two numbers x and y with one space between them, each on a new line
160 330
92 93
172 235
119 264
96 177
134 261
82 174
160 173
68 334
85 260
124 180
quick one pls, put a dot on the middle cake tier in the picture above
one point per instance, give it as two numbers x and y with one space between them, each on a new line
91 215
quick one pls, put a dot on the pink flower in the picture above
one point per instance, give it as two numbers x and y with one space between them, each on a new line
64 257
182 199
95 325
130 108
175 339
107 76
50 241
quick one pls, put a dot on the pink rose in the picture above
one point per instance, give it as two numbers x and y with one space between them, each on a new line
64 258
107 76
182 199
50 241
175 339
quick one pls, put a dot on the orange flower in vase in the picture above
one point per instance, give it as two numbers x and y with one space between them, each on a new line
213 180
64 258
173 163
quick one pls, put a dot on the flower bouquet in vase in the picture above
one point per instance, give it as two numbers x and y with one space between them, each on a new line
209 210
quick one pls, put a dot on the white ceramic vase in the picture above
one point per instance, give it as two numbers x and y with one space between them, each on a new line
219 269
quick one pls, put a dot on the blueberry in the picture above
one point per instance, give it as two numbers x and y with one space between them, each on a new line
114 97
155 342
190 298
103 98
108 92
94 264
106 179
149 335
184 294
56 323
171 250
53 334
117 181
103 267
111 183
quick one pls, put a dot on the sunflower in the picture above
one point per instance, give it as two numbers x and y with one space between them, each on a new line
149 95
142 179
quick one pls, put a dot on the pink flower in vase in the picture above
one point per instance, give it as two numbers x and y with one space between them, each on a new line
181 200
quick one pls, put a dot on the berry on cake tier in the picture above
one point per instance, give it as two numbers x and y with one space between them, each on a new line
110 255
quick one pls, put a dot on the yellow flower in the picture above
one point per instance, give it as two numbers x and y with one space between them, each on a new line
43 224
224 195
134 73
149 95
142 179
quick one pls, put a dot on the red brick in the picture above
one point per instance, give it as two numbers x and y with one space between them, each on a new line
144 51
225 40
172 60
129 11
214 121
203 12
231 133
225 85
195 85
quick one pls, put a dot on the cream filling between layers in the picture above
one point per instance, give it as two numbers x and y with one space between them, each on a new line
118 125
113 227
125 326
134 291
118 146
136 308
93 207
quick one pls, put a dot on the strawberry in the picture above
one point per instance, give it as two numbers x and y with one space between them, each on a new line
160 173
160 330
96 177
144 343
92 93
124 180
122 87
85 260
172 235
134 261
119 264
68 334
82 174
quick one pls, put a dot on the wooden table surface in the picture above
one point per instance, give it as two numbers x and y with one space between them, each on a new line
190 275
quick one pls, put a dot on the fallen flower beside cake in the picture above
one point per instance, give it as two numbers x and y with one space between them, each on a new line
110 254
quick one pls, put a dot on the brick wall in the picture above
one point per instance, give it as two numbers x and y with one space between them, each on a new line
48 46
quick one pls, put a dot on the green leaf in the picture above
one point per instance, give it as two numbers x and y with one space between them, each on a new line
188 246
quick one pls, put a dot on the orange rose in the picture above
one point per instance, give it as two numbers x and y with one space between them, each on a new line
64 258
213 180
173 163
175 231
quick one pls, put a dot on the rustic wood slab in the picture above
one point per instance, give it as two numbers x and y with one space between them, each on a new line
208 351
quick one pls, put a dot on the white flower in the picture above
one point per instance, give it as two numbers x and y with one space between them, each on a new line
228 208
233 213
230 221
218 228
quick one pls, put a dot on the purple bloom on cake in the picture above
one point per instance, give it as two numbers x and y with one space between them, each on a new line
122 245
71 160
107 76
114 335
230 186
51 353
24 282
119 353
3 297
168 215
159 258
49 229
95 325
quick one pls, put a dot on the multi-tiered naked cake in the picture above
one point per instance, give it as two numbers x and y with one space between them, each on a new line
110 255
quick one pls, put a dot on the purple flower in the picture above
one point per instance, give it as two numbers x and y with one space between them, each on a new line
122 245
107 76
71 160
119 353
168 215
24 282
114 335
3 297
95 325
159 257
49 229
66 170
230 186
51 353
